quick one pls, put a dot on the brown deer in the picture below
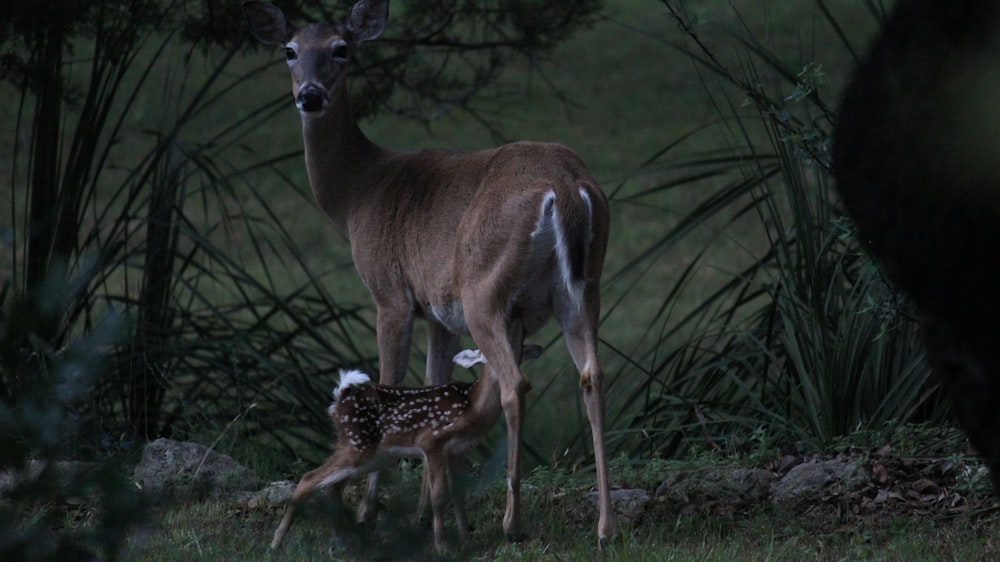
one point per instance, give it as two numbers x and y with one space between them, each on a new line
375 424
490 243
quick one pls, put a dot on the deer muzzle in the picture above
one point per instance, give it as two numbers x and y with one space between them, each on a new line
311 98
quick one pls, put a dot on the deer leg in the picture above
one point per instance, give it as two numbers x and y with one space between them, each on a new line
442 345
437 471
500 340
425 494
580 333
394 329
456 483
331 473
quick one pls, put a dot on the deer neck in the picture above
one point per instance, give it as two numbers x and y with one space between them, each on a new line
340 159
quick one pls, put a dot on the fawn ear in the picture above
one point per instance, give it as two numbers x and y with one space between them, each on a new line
469 357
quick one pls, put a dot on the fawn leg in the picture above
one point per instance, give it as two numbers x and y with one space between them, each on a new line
456 483
327 474
437 470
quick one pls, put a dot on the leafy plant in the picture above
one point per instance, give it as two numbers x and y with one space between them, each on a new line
40 488
808 338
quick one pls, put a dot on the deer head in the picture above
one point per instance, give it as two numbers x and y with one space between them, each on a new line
317 53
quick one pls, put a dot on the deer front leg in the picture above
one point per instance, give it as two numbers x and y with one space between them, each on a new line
501 345
394 329
442 345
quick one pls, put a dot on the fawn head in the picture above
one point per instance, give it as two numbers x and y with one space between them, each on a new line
317 53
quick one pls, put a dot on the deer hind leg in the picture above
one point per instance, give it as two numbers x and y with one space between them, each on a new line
331 473
580 332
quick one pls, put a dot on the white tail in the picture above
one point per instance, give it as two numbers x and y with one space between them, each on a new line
491 243
347 379
375 424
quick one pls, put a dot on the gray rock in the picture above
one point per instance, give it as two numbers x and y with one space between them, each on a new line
189 470
629 505
274 495
815 479
715 485
65 471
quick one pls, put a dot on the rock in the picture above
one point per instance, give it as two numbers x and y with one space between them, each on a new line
65 471
274 495
815 479
189 470
629 505
716 485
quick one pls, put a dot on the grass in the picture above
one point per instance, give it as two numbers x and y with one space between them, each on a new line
560 523
560 526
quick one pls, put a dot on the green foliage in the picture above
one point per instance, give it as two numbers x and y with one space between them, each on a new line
807 342
44 495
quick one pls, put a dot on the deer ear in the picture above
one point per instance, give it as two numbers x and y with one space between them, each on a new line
368 19
267 22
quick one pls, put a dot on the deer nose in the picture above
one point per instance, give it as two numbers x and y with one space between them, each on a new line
310 98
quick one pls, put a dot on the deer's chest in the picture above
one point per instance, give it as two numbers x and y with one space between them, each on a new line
451 315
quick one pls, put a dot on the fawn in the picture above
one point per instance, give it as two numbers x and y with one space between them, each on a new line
375 424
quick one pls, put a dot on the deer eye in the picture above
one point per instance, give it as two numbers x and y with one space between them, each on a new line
340 51
290 54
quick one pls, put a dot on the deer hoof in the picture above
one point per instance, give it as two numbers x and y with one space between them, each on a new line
516 537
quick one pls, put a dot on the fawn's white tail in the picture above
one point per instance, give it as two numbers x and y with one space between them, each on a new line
347 379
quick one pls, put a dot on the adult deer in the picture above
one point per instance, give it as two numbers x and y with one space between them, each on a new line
490 243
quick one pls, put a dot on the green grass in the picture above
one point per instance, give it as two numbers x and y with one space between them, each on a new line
559 528
560 525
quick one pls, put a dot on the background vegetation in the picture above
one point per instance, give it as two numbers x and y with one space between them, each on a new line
165 272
